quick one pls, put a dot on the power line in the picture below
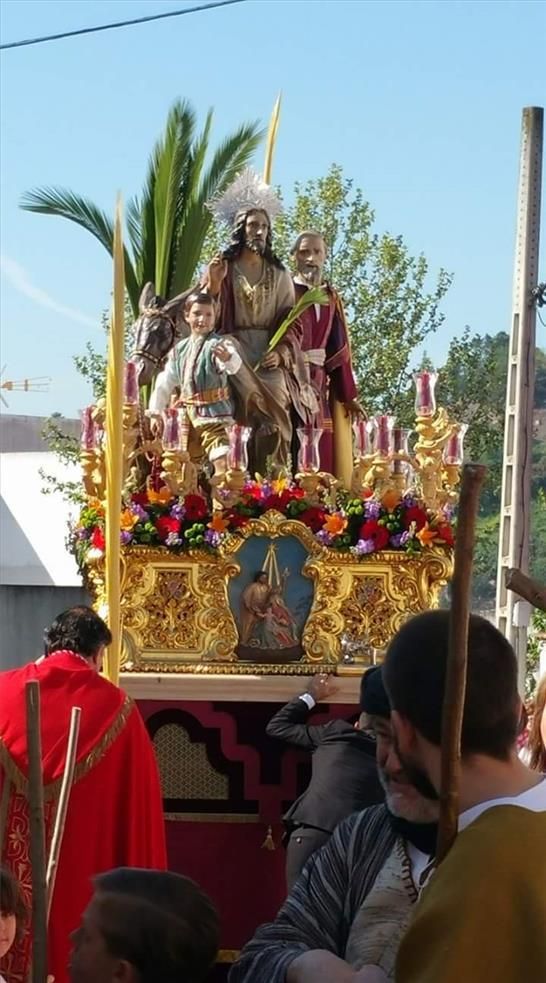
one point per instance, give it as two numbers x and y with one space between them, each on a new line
121 23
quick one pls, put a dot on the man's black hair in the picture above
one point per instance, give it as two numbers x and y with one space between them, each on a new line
415 673
78 629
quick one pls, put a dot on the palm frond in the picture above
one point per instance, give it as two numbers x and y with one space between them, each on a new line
133 218
172 154
189 188
60 201
314 296
81 211
230 157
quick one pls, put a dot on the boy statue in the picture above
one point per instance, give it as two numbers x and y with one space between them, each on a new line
199 367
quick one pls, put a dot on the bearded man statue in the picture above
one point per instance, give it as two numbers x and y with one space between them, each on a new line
255 294
326 347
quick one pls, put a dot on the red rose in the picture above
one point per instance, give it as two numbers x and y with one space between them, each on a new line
253 491
165 525
140 498
196 508
414 514
313 517
378 534
236 520
445 532
97 539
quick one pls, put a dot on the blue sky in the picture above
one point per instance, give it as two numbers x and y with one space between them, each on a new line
419 102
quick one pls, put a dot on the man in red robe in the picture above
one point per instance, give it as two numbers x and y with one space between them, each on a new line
115 815
327 351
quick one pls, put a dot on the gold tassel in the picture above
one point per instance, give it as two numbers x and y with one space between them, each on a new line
269 843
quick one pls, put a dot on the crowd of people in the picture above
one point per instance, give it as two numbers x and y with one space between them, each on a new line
366 902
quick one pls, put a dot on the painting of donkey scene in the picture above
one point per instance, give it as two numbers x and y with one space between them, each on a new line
271 599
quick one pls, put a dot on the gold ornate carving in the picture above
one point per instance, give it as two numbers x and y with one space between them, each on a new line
176 614
185 770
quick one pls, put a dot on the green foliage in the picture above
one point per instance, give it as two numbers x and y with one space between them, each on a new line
537 629
168 223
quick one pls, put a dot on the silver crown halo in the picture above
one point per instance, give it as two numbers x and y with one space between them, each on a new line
247 191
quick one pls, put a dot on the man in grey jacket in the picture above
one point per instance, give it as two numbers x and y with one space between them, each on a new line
344 775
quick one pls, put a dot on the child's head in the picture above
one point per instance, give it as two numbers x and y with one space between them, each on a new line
13 912
200 313
142 926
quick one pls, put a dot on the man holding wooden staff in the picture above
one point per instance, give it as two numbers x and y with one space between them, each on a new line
115 815
482 916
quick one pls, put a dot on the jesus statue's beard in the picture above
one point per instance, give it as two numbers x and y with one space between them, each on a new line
312 275
256 246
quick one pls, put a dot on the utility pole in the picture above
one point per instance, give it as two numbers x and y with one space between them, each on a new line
515 517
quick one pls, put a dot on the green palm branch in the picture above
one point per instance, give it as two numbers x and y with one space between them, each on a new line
167 224
316 295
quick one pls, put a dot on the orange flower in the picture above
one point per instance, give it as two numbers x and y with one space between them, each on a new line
128 520
426 535
161 497
390 499
217 524
335 524
96 505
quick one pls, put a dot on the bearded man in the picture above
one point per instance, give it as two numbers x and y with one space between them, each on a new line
255 294
326 348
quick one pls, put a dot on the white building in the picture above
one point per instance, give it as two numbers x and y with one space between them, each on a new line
38 577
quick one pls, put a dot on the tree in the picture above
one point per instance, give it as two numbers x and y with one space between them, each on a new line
168 223
391 306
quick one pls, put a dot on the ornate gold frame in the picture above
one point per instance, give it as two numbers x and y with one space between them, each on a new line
176 615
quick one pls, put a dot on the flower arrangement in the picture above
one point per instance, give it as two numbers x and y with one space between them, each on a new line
359 525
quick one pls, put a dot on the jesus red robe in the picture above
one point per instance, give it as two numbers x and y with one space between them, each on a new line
115 813
325 345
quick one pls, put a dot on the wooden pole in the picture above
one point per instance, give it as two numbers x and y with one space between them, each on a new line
37 833
114 453
452 715
60 818
530 590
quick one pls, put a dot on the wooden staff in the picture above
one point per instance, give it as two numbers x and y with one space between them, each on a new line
455 686
60 818
37 833
530 590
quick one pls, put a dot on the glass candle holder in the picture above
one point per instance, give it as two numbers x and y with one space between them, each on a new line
425 398
383 428
454 450
130 387
363 431
183 430
171 429
89 434
400 445
308 453
237 459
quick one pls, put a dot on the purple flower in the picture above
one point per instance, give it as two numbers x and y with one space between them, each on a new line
409 501
125 537
212 538
83 533
173 539
324 537
177 511
363 546
137 510
372 510
399 539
